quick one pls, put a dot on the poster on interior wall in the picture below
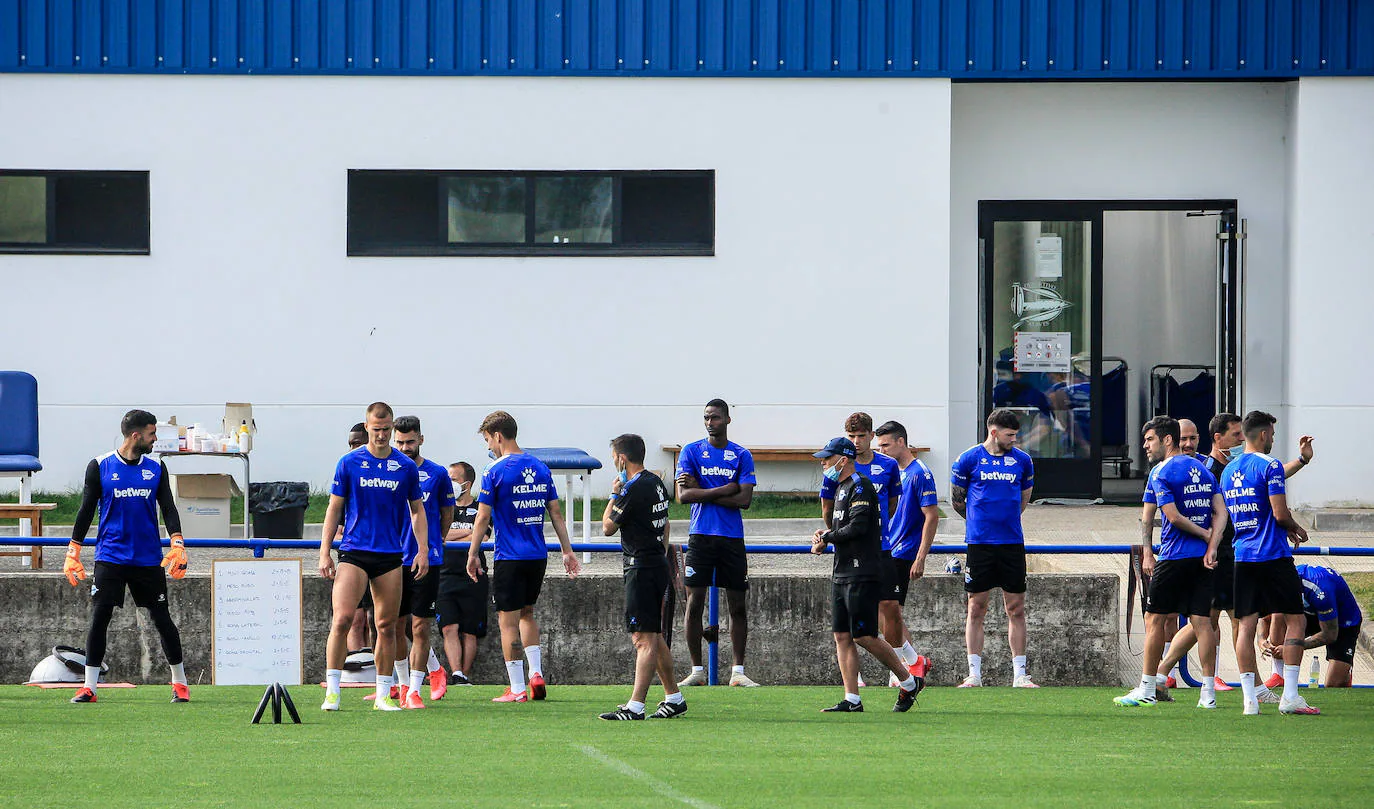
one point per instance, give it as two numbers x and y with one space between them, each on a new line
1049 257
1043 351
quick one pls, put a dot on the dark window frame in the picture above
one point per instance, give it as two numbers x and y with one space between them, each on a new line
357 247
54 247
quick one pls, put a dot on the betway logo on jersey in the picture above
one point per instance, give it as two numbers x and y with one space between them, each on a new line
717 471
378 483
1009 477
132 492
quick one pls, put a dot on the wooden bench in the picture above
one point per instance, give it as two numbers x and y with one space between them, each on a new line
773 454
33 512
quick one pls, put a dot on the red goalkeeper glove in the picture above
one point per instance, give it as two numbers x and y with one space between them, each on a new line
175 560
72 567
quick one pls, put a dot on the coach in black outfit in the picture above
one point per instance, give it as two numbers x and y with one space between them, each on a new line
857 534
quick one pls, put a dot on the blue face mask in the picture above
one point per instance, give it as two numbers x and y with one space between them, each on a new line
624 477
1235 452
832 474
491 453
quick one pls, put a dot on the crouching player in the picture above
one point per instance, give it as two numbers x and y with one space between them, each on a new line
1333 620
638 511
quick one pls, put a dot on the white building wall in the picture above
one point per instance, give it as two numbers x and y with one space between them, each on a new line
832 208
1331 252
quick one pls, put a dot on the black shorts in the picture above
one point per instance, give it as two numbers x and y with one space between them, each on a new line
365 603
148 584
516 582
649 601
854 607
1267 588
464 602
1224 583
373 564
1343 648
995 566
718 561
901 569
418 597
1182 586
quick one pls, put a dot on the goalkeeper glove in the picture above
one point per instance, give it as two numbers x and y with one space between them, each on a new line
72 567
175 560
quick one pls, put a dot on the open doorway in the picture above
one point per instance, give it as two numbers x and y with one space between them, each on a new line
1097 316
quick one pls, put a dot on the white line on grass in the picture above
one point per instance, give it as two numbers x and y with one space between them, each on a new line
648 780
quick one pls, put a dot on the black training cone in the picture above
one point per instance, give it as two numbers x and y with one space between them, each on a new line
273 689
285 697
262 705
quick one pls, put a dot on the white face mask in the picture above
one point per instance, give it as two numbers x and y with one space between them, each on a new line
459 489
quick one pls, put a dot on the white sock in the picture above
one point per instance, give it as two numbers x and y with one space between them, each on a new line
332 678
1147 684
674 698
695 669
179 673
1278 666
1247 686
909 684
907 653
402 671
852 699
1290 682
92 677
635 707
1209 689
383 686
417 679
535 655
975 666
433 662
1019 664
737 669
459 673
515 670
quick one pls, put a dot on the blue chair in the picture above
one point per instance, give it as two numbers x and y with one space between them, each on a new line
19 439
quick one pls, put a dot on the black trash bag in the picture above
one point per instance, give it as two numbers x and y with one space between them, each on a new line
278 495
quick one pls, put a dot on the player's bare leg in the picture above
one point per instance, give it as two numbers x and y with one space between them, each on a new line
514 653
386 600
349 582
973 636
692 628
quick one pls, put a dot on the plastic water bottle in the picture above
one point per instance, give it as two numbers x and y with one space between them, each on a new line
1314 672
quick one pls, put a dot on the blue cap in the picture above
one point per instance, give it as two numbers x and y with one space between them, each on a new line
837 446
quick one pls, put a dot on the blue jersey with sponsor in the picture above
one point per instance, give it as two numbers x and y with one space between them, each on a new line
713 468
1185 482
1246 484
128 532
1326 595
436 490
908 521
886 478
378 493
994 484
518 488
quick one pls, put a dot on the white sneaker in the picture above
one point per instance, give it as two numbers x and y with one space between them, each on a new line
1266 696
1024 681
331 702
1251 708
972 682
1297 707
861 683
741 680
695 678
1135 698
892 680
1209 704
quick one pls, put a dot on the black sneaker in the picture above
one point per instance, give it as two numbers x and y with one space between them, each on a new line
844 706
1163 695
458 678
622 714
920 685
905 699
668 710
84 695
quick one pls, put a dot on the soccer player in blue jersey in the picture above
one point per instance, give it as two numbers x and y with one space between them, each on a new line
463 603
1181 581
419 594
1267 581
909 534
991 486
1333 620
716 477
516 491
376 490
128 488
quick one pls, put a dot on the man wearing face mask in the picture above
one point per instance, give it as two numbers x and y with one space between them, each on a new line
462 605
1228 443
857 534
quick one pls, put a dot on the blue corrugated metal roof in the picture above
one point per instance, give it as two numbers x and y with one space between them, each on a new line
961 39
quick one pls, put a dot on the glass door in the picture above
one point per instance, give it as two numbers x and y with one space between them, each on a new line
1040 353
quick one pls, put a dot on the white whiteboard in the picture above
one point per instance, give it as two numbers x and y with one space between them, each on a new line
257 637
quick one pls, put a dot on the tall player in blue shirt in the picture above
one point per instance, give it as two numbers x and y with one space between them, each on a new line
376 491
515 492
128 487
716 476
1267 581
991 486
418 595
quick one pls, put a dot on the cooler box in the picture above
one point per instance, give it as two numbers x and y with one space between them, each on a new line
203 503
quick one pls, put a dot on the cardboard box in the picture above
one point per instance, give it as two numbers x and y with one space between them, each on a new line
166 438
203 504
235 414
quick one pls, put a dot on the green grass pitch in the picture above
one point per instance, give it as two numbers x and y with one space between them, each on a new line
765 747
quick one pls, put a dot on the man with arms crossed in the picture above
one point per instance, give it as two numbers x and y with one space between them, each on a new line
716 476
911 531
462 606
1267 581
129 487
992 484
374 487
1181 582
516 490
638 511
